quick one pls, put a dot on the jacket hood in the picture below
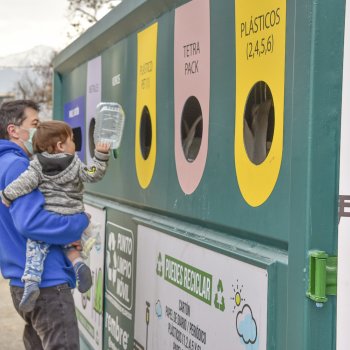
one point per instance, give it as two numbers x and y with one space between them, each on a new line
7 146
68 172
53 164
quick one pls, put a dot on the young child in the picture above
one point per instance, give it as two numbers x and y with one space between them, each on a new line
59 174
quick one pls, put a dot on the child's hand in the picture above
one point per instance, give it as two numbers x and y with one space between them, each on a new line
103 147
4 201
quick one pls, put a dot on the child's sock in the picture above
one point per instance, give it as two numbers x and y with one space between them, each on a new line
87 246
89 238
83 275
30 294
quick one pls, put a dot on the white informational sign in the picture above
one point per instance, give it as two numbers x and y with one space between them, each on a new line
189 297
89 306
343 288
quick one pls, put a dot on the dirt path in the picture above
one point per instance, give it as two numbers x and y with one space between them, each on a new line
11 325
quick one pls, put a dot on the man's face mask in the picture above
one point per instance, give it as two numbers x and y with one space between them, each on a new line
29 143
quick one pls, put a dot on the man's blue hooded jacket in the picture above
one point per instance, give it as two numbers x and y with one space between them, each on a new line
26 218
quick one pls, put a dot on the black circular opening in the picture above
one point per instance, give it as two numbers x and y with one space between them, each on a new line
191 128
259 122
91 137
145 133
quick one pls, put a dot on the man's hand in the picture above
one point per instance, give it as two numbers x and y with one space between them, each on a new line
103 147
77 245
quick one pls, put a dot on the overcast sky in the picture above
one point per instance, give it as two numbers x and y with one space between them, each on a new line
27 23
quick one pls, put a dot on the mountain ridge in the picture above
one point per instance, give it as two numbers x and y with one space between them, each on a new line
38 55
14 66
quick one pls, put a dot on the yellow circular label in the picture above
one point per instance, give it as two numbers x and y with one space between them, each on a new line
146 97
260 57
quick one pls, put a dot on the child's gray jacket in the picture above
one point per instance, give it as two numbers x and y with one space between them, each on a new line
60 178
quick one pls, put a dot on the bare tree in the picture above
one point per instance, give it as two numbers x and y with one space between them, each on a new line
36 81
36 84
82 14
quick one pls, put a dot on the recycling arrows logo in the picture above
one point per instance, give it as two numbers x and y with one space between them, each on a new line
112 258
159 269
219 295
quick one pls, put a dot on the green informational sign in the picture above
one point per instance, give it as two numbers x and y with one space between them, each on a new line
188 278
119 281
119 264
117 327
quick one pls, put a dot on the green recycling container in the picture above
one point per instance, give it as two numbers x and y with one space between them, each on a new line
226 179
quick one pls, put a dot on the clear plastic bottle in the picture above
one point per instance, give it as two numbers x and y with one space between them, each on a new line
109 125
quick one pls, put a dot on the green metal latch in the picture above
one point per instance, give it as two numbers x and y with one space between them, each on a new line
322 276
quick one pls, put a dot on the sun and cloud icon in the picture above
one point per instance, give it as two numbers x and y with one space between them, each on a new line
246 326
237 298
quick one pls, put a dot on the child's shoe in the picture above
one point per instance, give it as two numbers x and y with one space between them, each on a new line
83 276
30 294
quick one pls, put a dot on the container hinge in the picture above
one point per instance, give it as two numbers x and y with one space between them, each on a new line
322 276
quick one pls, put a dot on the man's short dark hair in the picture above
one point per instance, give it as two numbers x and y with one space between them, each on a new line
13 113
